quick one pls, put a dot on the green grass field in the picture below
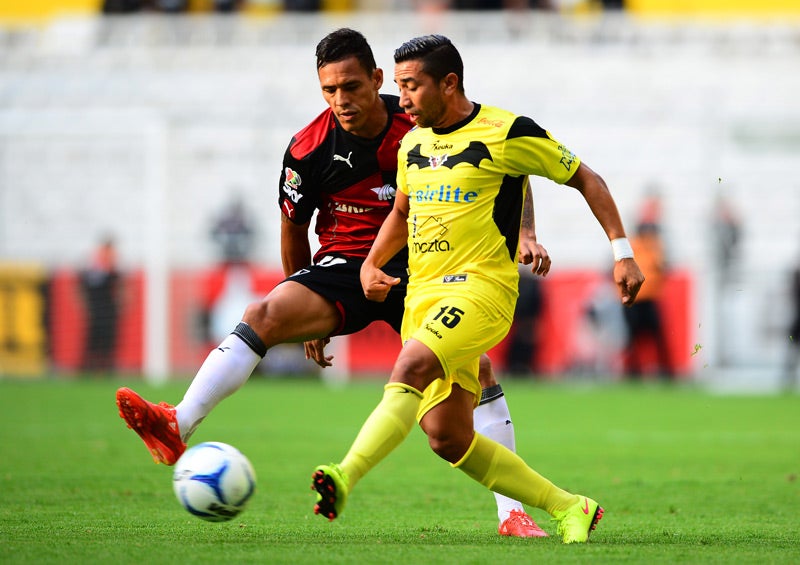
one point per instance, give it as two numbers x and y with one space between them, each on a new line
684 476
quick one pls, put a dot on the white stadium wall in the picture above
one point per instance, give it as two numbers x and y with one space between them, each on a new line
147 127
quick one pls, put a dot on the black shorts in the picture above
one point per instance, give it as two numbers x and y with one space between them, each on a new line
338 279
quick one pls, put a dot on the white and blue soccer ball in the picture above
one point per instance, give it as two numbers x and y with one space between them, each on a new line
214 481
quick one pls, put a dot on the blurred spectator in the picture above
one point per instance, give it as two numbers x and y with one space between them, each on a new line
100 284
227 6
727 235
122 6
171 6
517 5
793 352
643 317
524 334
233 234
231 284
302 5
602 334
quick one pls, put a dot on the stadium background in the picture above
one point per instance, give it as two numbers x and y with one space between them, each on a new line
146 125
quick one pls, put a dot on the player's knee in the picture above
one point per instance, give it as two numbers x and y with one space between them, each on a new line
416 371
258 315
486 373
449 447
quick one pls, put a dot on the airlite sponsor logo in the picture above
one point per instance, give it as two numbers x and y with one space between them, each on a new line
444 194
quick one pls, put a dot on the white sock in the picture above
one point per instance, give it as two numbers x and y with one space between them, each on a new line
493 420
223 372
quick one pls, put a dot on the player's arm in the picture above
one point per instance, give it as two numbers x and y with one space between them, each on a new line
627 275
531 252
295 246
296 254
391 238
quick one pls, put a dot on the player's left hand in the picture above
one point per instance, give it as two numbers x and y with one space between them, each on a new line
534 254
315 349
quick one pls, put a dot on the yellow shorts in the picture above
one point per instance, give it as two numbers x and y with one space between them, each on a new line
458 329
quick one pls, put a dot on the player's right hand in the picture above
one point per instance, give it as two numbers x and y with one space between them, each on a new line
628 278
375 283
315 349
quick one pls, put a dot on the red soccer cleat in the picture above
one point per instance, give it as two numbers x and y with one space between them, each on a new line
156 424
520 525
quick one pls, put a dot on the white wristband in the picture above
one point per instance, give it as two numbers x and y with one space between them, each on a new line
622 248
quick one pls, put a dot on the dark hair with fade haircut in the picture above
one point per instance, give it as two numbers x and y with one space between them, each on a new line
344 43
438 55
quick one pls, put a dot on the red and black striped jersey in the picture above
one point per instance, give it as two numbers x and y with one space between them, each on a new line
348 180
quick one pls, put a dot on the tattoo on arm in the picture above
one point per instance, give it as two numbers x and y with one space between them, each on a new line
527 211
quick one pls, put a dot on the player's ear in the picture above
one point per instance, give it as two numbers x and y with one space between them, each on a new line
449 83
377 78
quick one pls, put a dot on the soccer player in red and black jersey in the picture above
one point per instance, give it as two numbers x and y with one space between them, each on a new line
342 168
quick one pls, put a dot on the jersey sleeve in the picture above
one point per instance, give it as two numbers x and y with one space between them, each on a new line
297 197
402 158
531 150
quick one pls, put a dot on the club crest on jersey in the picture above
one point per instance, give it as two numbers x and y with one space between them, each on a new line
473 154
454 278
437 160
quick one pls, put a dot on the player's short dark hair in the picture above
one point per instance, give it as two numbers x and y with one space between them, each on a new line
438 55
343 43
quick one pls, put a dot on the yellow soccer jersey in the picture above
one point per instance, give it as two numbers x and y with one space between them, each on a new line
465 186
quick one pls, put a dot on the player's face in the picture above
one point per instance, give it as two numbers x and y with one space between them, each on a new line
420 95
352 94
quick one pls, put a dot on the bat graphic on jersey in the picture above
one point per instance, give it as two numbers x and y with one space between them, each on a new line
473 154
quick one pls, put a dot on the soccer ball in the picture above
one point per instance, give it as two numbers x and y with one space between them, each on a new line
214 481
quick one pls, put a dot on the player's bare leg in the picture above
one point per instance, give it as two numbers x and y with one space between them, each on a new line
290 313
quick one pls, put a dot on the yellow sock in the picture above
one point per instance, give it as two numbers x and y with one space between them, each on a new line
385 429
503 471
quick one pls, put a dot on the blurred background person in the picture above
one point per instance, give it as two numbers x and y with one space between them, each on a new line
793 346
602 334
726 233
523 337
100 283
231 285
643 318
233 234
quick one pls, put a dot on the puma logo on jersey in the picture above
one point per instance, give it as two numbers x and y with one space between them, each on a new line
385 192
344 159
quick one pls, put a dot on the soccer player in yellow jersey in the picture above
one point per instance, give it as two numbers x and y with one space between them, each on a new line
461 181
